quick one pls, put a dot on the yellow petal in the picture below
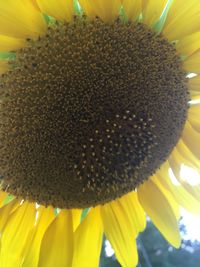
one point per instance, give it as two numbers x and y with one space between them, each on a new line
194 94
168 195
160 211
76 216
134 212
194 121
187 154
15 234
57 243
5 211
191 139
176 160
152 10
144 3
88 240
183 19
194 83
106 10
194 190
59 9
120 233
191 64
45 217
4 66
20 19
185 199
34 2
194 111
3 196
195 100
86 5
10 44
189 44
133 8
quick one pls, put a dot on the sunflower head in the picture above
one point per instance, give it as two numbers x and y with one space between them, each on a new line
90 110
98 109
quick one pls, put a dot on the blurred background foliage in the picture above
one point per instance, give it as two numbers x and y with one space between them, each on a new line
154 251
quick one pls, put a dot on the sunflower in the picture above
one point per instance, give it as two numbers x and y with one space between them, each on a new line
99 109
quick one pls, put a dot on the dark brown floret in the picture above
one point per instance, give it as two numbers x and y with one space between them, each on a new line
88 112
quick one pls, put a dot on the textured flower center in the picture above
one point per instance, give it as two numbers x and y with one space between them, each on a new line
88 112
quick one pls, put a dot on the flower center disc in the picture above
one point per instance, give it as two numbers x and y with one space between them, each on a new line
88 112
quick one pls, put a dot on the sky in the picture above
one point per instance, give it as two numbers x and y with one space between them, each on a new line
191 221
192 224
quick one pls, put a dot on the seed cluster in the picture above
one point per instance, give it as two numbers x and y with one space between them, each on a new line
88 112
109 157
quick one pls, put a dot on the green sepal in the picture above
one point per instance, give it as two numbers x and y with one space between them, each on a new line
77 8
8 199
84 213
7 55
158 26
